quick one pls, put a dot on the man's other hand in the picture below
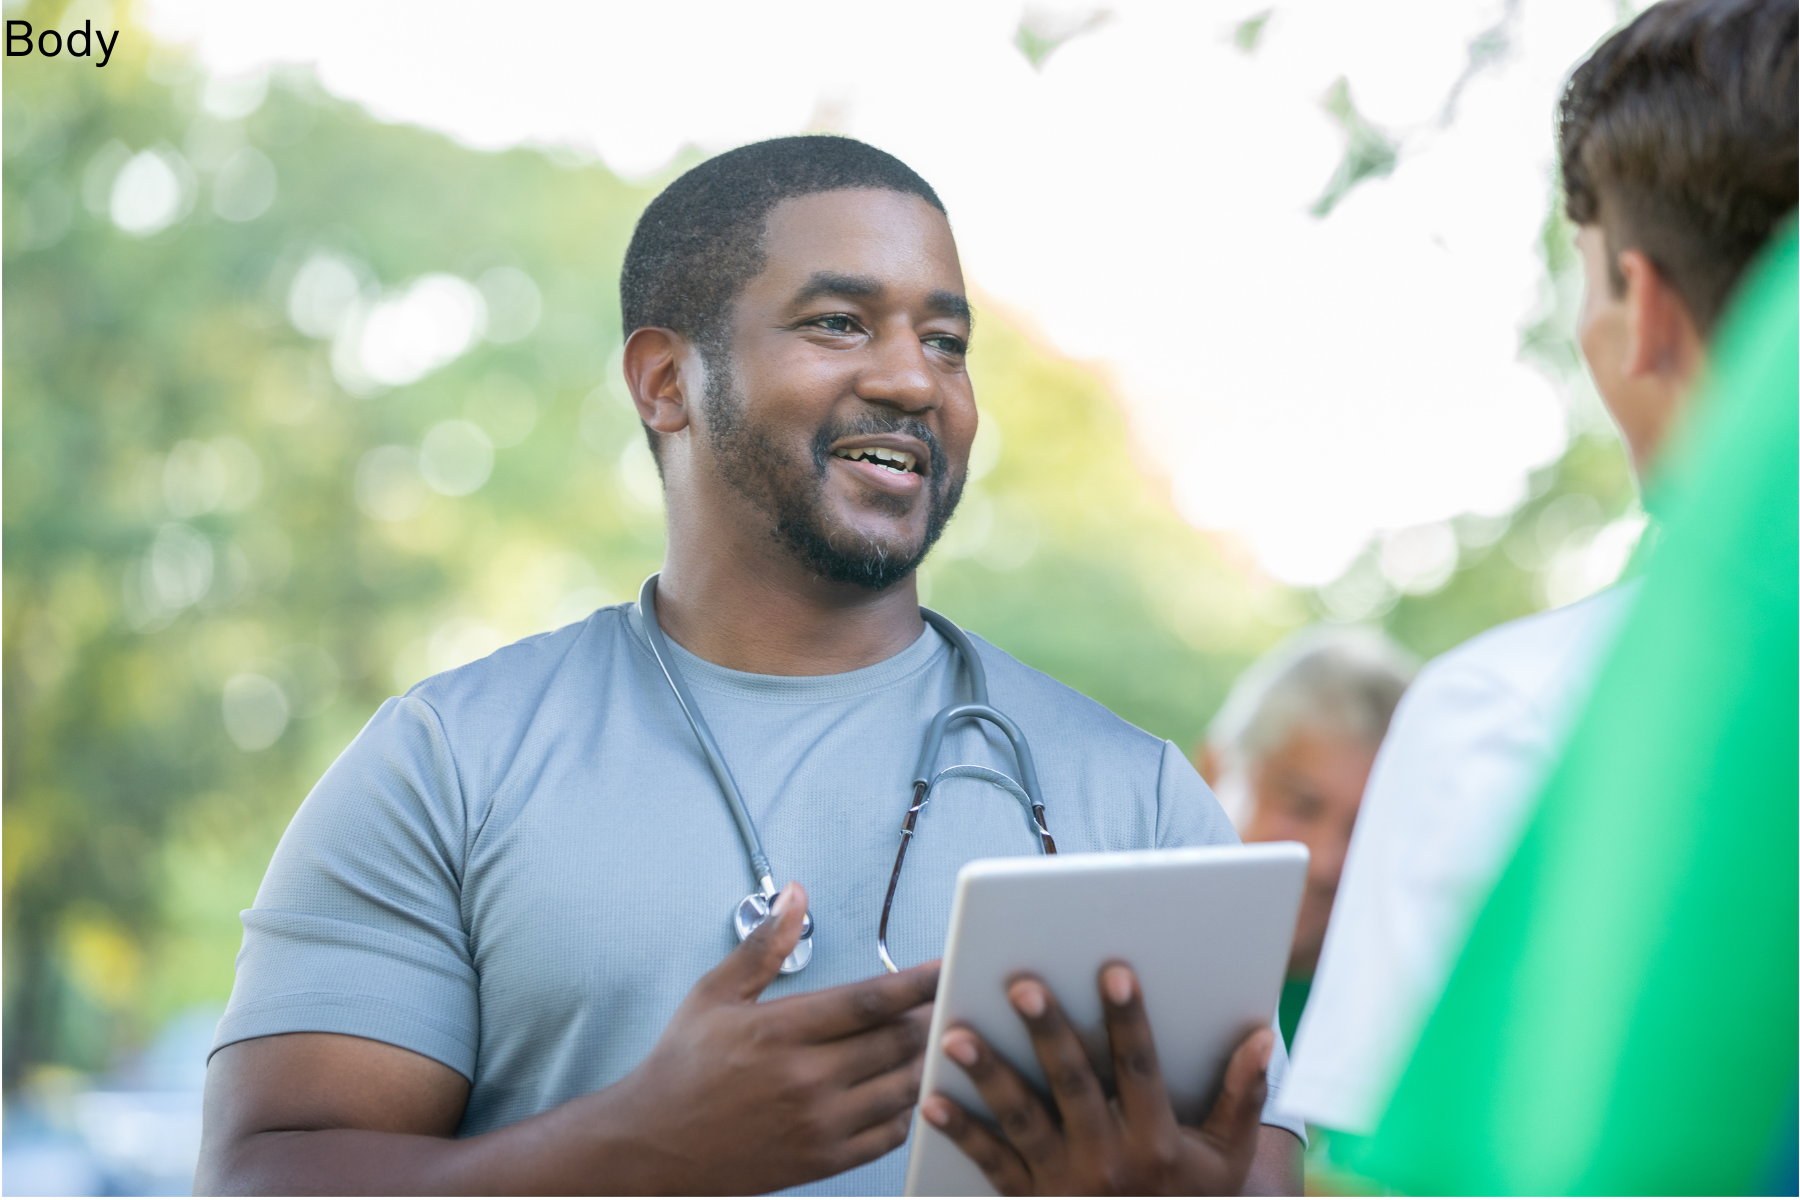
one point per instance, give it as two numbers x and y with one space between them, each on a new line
736 1097
746 1096
1090 1144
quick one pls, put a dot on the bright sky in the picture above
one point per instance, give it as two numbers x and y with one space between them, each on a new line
1305 384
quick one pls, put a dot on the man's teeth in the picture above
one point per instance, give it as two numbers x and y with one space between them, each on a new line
897 461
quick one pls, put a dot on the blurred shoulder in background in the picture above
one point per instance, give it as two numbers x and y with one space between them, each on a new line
1289 755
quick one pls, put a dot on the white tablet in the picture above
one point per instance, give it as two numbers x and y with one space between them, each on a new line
1206 929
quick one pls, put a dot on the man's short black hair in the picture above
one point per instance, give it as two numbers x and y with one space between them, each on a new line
700 241
1678 139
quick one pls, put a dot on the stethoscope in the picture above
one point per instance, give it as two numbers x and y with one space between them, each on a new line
753 909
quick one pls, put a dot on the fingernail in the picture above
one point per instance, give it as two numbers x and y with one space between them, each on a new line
961 1047
1117 982
784 900
1029 999
1268 1051
935 1111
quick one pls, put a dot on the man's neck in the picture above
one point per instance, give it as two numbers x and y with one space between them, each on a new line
769 616
1646 451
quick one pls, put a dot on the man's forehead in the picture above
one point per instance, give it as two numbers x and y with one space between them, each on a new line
858 243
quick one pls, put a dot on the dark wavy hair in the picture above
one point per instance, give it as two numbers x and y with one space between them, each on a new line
1678 139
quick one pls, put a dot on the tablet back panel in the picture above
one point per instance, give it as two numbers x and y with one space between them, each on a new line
1207 930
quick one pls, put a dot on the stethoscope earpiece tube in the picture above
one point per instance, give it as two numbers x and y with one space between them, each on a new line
965 650
754 908
759 862
1028 776
979 710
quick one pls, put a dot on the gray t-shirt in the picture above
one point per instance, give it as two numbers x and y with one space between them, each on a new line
522 866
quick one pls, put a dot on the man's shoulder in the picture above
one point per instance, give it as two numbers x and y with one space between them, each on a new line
516 677
1049 704
1534 660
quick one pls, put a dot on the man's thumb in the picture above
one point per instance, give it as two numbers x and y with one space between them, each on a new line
754 965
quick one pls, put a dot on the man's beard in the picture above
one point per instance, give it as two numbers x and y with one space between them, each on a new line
792 491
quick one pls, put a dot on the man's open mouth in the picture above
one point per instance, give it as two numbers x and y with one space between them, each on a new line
900 462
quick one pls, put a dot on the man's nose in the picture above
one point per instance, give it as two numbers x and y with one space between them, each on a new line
898 373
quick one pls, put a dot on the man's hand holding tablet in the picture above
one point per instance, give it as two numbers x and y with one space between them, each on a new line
1102 1025
1131 1145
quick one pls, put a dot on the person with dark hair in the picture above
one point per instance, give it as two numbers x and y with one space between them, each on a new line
495 949
1678 151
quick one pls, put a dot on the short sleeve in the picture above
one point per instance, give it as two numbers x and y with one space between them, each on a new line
357 927
1187 814
1442 810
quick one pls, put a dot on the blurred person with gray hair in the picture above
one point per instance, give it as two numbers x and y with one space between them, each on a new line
1289 755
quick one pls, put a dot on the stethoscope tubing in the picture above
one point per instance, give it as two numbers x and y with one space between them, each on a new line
978 709
734 799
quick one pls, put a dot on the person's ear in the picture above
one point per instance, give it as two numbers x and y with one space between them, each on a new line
1661 338
653 361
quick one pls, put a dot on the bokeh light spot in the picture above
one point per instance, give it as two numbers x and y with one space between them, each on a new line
456 457
255 711
147 194
245 186
388 486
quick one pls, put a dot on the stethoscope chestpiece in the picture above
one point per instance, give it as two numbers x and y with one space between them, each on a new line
753 910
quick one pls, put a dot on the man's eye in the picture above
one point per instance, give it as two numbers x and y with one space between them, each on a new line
837 323
948 344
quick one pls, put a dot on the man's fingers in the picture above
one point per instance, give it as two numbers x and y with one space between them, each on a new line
882 1049
756 963
874 1141
839 1012
1236 1115
1073 1083
997 1160
877 1100
1021 1116
1142 1096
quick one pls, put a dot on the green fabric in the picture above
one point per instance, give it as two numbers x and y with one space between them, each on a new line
1293 1002
1623 1019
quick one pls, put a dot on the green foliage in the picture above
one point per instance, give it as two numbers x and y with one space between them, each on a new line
1042 31
1248 34
169 431
1369 153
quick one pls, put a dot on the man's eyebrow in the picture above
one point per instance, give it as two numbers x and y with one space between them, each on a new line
949 304
864 287
831 283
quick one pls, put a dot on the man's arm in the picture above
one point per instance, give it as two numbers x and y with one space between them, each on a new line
311 1113
737 1096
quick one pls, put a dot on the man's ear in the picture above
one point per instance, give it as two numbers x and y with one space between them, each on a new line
653 362
1661 338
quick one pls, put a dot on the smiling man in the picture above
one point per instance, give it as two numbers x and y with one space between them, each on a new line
495 949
